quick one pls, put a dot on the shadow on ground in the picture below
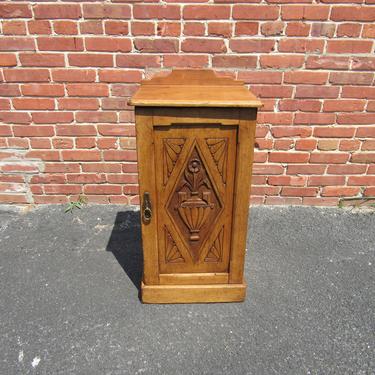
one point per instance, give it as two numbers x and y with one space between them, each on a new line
126 245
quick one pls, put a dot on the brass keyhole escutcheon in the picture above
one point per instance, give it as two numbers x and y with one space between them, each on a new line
146 208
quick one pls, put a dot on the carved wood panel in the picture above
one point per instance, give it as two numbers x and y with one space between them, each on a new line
195 186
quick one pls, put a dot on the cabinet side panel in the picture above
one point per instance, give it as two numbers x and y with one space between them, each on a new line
245 154
146 173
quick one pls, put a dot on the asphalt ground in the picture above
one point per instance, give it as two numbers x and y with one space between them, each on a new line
69 298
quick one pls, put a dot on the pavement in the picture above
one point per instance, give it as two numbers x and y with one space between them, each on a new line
69 298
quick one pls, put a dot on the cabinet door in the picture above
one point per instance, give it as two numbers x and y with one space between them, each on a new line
194 169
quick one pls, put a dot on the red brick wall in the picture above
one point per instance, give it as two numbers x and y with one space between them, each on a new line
68 69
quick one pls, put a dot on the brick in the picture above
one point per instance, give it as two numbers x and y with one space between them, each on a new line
275 118
96 116
251 45
91 27
323 29
156 45
255 12
65 27
62 143
368 145
328 144
138 61
283 200
33 131
158 11
346 169
116 28
297 29
287 180
318 201
73 75
143 28
334 132
305 12
85 178
358 92
281 61
75 130
4 104
256 76
116 130
288 157
85 142
9 10
122 179
26 75
203 45
349 46
77 103
366 132
42 90
11 43
81 155
272 28
119 155
14 28
313 78
305 144
246 28
13 198
62 189
15 117
61 167
299 191
188 61
368 31
267 169
283 144
263 144
91 59
370 106
103 189
349 145
52 117
317 92
115 103
265 190
57 11
39 27
44 155
329 158
129 76
314 118
103 44
106 143
369 192
204 12
223 29
352 13
234 61
102 167
9 89
129 168
306 169
43 199
107 11
42 59
350 30
48 179
301 45
356 118
300 105
8 59
326 180
89 89
58 43
327 62
29 103
342 105
346 78
291 131
265 91
336 191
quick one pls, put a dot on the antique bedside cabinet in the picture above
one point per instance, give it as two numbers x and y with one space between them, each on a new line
195 139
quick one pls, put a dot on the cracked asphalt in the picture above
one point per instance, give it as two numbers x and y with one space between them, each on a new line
69 298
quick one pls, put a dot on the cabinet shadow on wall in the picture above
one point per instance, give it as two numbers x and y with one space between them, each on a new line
125 244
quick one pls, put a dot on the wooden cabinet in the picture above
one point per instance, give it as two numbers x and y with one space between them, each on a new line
195 139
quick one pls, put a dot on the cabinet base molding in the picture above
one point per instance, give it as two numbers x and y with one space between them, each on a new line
193 293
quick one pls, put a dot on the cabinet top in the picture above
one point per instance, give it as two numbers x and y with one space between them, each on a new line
194 88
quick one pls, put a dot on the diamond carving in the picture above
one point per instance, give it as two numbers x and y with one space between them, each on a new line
172 253
172 148
194 203
219 150
216 249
